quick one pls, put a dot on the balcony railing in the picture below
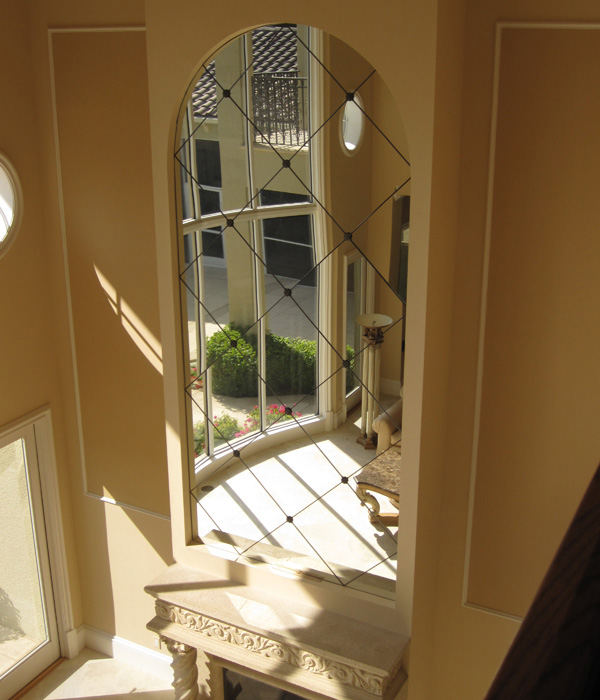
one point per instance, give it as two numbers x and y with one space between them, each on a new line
280 108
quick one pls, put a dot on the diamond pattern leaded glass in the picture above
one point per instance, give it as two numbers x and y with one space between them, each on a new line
263 246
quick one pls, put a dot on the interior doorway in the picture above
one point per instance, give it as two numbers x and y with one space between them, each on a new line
29 640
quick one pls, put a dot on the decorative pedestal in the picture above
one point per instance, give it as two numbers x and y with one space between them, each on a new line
185 671
371 360
305 650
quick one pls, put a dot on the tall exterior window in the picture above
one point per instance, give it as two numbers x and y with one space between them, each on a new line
249 228
286 240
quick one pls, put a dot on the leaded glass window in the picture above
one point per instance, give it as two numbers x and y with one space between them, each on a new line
269 213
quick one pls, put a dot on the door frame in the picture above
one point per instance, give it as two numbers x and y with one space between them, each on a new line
40 422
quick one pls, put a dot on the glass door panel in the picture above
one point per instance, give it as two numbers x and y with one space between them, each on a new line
28 638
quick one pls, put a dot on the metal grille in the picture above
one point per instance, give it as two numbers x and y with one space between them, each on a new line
280 106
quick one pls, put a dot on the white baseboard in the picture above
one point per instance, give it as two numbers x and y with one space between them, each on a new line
75 642
334 419
147 660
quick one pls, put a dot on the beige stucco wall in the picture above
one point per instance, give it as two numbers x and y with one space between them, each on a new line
30 376
97 206
437 60
524 492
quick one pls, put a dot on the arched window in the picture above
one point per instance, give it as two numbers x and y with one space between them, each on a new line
284 242
11 202
252 239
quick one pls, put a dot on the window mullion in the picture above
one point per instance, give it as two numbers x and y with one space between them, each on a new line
274 211
249 111
200 342
256 233
192 162
259 285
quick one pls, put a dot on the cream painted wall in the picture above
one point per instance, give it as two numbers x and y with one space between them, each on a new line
115 549
347 178
539 442
469 642
437 59
390 170
106 195
29 374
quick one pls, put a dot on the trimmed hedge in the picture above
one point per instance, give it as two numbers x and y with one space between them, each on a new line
291 363
233 368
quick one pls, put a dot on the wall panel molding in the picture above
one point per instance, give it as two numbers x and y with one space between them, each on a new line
499 112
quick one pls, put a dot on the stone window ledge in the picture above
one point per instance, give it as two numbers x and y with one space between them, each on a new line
308 647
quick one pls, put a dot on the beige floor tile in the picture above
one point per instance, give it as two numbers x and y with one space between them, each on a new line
94 675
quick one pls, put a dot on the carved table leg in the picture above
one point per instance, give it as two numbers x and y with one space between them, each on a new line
185 671
370 501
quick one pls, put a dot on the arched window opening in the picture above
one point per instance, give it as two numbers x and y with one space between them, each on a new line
285 242
11 201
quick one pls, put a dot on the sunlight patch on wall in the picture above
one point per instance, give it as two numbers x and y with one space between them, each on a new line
138 331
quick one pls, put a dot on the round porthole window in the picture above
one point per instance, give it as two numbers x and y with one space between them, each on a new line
353 124
10 203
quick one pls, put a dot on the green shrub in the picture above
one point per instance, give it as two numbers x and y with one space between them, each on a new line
291 364
234 370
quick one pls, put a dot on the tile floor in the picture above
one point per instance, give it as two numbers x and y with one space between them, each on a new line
13 647
245 508
93 675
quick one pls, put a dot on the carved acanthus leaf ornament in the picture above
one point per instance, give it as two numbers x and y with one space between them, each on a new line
330 669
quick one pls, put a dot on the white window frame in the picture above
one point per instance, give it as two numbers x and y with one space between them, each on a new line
255 214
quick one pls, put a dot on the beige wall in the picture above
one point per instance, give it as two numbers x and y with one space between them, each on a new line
437 60
29 374
539 440
98 206
528 475
103 134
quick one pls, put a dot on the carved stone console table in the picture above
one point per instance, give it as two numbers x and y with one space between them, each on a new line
312 652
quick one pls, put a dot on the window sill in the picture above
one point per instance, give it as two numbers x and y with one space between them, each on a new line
316 650
256 443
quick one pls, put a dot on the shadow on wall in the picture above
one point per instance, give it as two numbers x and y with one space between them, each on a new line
10 619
